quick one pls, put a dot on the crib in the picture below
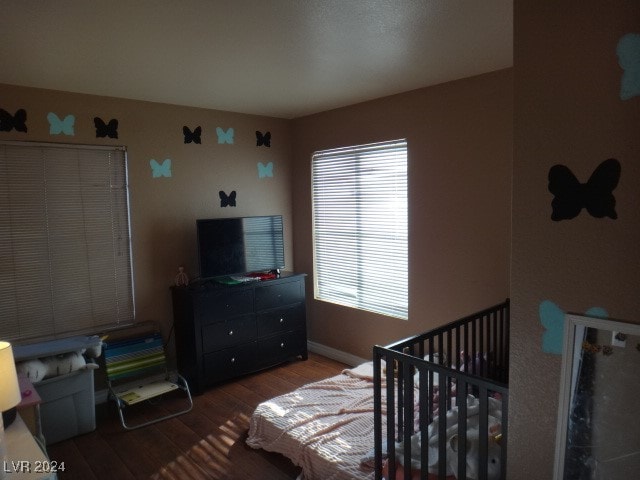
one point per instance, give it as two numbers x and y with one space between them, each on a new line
459 373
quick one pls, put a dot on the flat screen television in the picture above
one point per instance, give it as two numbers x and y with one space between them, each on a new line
236 246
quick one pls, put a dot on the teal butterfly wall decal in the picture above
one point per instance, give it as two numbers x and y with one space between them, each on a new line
160 169
57 126
265 170
225 136
552 319
628 51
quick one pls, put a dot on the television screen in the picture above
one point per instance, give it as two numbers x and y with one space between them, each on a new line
233 246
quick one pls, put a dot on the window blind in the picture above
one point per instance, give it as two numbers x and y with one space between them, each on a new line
360 234
65 247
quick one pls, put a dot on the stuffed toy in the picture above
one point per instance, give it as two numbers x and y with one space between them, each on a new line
35 370
64 363
39 369
95 351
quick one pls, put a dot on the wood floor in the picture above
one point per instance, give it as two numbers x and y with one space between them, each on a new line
206 443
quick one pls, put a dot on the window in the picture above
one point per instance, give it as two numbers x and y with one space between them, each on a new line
360 227
65 254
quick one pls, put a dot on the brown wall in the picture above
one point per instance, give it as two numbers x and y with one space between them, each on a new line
460 141
164 210
568 110
460 153
459 137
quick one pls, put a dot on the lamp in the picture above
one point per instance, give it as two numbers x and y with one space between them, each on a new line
9 390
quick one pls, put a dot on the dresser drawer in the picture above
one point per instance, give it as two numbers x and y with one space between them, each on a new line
218 306
225 331
280 320
272 350
231 332
230 362
274 296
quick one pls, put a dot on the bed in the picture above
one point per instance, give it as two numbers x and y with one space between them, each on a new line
372 421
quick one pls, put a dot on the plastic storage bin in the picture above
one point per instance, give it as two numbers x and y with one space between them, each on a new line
68 405
68 401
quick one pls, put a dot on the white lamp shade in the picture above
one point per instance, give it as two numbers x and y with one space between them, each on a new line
9 389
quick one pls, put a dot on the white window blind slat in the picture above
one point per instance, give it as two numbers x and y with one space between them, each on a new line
64 240
360 227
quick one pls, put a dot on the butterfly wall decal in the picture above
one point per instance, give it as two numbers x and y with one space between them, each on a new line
190 136
265 170
571 196
552 319
628 51
227 200
10 122
263 139
57 126
106 129
225 137
160 169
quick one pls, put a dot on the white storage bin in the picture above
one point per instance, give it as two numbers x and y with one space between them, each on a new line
68 401
68 405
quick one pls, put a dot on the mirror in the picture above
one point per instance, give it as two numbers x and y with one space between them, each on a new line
598 434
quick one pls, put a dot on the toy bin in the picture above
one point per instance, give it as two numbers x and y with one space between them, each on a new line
68 405
68 400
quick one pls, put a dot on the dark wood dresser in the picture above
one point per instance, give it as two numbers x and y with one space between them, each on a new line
223 331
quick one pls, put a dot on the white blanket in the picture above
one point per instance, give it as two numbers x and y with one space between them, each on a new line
325 427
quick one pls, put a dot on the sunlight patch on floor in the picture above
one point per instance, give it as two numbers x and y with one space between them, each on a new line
210 457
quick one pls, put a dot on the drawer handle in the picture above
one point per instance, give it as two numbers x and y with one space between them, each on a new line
282 345
230 332
233 359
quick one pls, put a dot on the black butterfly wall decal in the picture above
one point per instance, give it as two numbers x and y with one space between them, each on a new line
596 195
9 122
227 200
190 136
106 129
263 139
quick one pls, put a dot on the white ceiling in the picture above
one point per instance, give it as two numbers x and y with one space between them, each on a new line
281 58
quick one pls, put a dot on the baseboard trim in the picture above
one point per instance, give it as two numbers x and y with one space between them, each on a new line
335 354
